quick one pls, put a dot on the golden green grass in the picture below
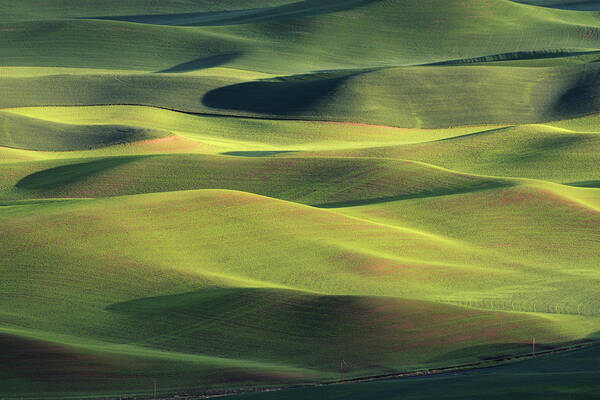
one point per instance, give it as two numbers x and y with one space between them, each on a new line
243 194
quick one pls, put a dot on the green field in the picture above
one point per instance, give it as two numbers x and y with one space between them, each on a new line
224 196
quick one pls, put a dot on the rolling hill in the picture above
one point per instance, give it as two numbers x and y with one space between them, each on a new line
219 197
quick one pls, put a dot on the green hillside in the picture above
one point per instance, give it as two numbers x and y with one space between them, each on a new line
530 151
32 134
228 196
415 97
312 36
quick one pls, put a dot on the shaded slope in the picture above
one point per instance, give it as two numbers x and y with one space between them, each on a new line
245 133
33 134
419 97
318 181
543 58
40 364
376 333
580 5
424 97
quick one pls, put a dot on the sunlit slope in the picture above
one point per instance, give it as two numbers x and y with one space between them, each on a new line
337 254
316 181
165 278
405 32
418 97
551 228
547 152
244 134
221 194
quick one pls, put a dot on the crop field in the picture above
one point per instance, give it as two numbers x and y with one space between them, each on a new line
286 199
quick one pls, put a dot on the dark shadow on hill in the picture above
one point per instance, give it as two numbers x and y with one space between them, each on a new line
485 185
514 56
54 178
257 153
585 184
590 5
21 132
288 96
203 63
177 302
45 361
474 134
496 351
582 97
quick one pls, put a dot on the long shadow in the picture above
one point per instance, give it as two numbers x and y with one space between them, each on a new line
486 185
514 56
71 173
585 184
257 153
284 97
202 63
575 6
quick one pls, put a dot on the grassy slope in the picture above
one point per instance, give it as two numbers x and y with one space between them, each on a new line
106 294
243 133
403 97
519 222
251 304
417 97
32 134
423 34
547 152
58 9
47 365
325 181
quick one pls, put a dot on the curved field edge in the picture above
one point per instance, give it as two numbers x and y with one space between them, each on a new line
550 152
32 134
406 35
242 133
400 97
317 181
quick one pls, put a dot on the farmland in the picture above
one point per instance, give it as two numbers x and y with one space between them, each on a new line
240 195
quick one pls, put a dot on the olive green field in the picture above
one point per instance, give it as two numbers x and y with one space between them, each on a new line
266 197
